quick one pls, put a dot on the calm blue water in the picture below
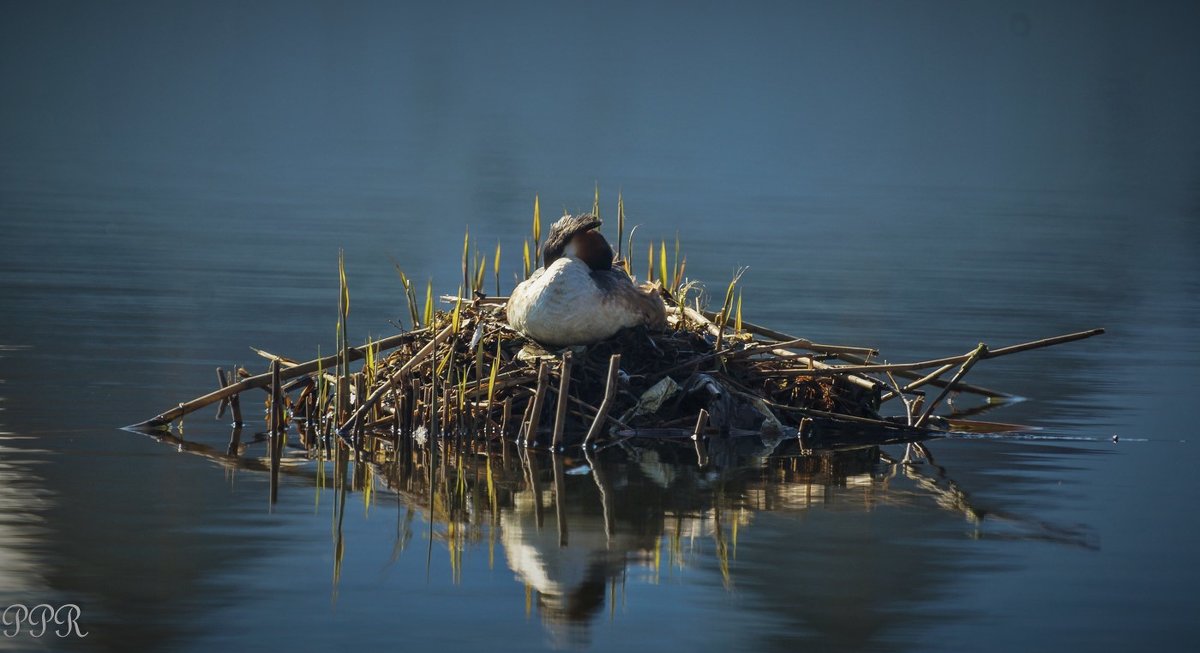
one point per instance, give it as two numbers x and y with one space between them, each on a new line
176 181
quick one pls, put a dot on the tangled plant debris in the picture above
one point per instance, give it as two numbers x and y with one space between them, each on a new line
463 373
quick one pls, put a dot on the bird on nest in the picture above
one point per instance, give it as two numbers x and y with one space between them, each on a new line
577 297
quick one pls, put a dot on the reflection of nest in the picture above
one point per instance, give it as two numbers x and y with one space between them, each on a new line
768 422
571 528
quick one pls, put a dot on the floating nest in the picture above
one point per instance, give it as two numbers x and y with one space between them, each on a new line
689 379
467 375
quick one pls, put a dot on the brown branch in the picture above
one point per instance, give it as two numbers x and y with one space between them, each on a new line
980 352
564 390
264 380
920 365
610 393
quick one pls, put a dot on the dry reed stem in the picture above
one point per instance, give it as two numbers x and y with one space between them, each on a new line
855 359
813 364
704 321
505 415
235 402
928 378
564 388
980 352
701 423
221 383
264 380
610 393
442 372
539 397
920 365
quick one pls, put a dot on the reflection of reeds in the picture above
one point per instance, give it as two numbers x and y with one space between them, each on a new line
721 547
650 507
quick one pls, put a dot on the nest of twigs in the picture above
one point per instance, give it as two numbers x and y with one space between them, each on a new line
469 375
466 374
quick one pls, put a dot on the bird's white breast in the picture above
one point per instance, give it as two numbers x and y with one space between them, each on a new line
562 305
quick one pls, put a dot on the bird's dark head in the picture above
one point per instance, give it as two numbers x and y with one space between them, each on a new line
576 236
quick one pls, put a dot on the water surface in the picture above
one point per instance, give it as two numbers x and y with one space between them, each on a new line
176 181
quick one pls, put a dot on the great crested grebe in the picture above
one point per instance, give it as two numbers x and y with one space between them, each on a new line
577 297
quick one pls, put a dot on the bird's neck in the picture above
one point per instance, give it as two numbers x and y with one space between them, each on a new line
591 248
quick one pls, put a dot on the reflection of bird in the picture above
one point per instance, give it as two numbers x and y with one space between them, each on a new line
570 577
577 297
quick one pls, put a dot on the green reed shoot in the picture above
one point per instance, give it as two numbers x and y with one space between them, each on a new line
681 302
675 266
527 268
342 342
727 305
492 377
596 202
662 264
409 295
738 321
428 321
537 231
370 369
477 266
462 390
368 362
344 286
496 267
650 265
456 318
479 272
466 261
621 229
